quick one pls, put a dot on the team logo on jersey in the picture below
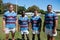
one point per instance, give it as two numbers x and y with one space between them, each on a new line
10 17
35 21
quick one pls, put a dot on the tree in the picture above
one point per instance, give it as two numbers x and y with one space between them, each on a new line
32 8
20 9
42 11
17 8
1 7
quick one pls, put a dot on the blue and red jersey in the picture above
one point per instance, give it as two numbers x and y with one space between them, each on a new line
23 22
50 20
10 19
35 21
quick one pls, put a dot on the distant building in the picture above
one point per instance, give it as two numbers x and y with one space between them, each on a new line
57 11
31 14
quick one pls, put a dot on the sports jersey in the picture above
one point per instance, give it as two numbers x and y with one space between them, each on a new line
49 20
10 19
23 21
35 20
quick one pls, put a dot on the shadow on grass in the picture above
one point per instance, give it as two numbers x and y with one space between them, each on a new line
16 39
58 29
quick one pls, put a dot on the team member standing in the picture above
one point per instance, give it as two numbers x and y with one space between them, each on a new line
50 23
24 25
9 22
36 25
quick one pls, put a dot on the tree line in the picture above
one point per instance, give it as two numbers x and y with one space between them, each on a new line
4 7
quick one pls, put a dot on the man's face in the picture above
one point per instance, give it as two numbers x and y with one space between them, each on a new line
35 12
49 8
23 13
11 8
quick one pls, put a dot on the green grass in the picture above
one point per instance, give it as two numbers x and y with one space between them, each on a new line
18 34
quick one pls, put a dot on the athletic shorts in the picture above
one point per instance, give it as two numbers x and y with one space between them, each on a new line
24 32
35 32
7 30
49 32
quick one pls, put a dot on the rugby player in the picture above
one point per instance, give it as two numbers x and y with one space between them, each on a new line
24 25
50 23
10 22
36 25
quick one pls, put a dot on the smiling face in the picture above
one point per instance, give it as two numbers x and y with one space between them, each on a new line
23 13
11 8
49 8
35 12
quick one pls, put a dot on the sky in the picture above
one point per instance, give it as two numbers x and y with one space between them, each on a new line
42 4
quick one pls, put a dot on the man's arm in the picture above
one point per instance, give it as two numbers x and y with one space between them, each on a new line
3 24
30 25
16 24
40 25
19 27
55 23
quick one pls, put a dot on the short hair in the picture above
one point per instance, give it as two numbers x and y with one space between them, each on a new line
10 5
22 11
49 5
35 10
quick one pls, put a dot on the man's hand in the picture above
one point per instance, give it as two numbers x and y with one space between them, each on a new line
39 30
54 31
3 29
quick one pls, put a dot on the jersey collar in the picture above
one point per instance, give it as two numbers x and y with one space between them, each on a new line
11 12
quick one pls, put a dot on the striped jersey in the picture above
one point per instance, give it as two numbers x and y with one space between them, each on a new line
10 19
35 20
49 20
23 22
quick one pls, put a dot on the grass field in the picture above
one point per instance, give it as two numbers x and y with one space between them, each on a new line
18 35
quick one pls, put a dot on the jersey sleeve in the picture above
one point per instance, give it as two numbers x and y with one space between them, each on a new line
16 16
28 20
55 16
40 20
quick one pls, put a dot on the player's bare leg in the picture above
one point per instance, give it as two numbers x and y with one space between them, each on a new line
52 38
33 37
13 34
38 35
7 36
48 37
